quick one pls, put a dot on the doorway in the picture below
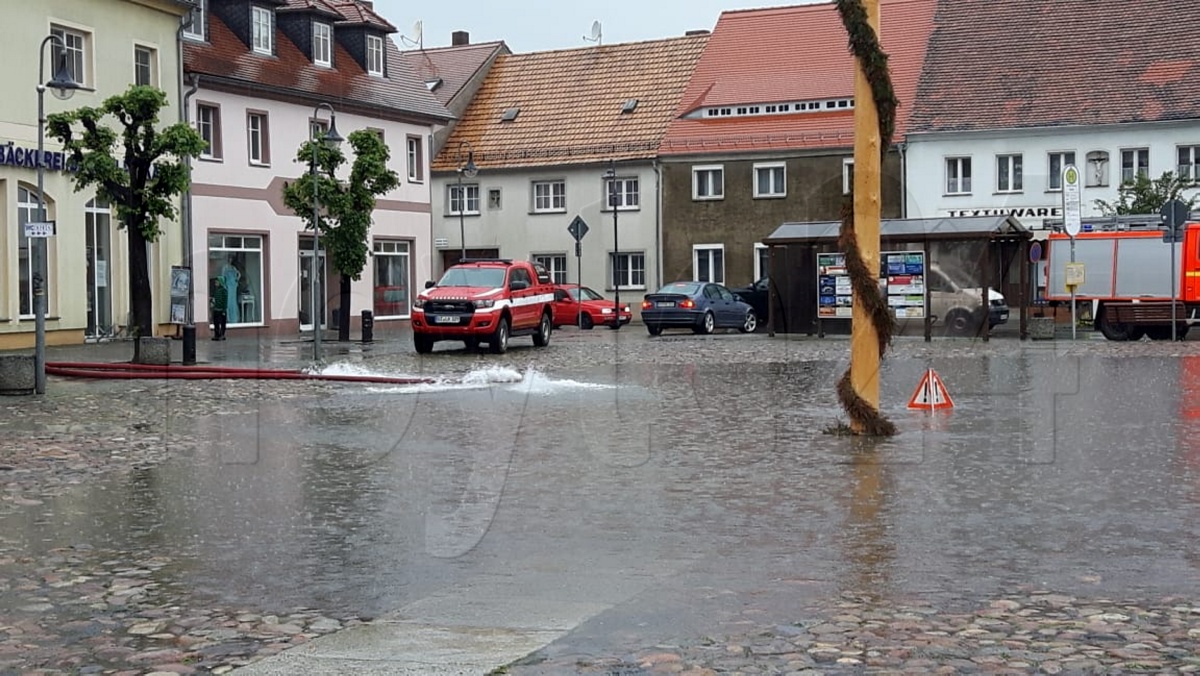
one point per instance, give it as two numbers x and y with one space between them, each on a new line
311 275
99 269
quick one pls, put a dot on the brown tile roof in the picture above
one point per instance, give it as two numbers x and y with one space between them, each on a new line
788 54
1067 62
356 12
455 66
227 60
570 104
318 6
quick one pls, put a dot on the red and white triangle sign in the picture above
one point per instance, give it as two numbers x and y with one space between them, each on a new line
931 394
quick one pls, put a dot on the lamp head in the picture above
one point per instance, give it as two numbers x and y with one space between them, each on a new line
470 170
63 85
332 138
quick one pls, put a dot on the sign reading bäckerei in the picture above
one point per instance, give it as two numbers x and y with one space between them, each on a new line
12 155
1018 212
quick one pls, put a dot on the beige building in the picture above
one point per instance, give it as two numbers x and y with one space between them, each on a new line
110 45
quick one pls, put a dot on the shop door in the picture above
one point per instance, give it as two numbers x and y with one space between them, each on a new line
99 276
311 276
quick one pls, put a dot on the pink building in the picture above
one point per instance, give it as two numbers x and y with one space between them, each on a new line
255 72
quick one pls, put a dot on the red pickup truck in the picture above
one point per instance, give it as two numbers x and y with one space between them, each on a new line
485 301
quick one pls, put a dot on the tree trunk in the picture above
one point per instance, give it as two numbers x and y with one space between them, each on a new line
140 302
344 314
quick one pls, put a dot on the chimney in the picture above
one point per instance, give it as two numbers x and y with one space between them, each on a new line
458 38
702 31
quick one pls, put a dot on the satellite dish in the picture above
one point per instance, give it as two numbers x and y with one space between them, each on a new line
418 31
416 39
596 33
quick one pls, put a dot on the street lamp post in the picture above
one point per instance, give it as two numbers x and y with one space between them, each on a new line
330 138
470 170
611 176
64 87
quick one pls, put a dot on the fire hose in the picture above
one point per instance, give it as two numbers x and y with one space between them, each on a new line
129 371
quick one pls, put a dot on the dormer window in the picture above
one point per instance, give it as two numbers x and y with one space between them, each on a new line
262 26
322 44
374 55
195 28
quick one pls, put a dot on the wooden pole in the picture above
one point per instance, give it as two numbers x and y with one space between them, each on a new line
864 340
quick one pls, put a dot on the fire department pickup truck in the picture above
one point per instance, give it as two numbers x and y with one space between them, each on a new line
485 301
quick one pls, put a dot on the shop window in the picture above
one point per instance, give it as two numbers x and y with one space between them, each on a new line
391 279
237 260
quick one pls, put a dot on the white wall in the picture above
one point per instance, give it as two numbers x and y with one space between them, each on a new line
926 171
519 233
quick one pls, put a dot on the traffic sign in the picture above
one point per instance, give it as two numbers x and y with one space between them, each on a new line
577 228
39 229
1035 252
931 394
1174 213
1072 202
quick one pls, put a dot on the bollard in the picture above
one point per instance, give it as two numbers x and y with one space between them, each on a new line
368 326
189 344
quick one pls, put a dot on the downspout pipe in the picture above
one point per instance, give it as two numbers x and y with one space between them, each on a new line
903 148
189 326
658 257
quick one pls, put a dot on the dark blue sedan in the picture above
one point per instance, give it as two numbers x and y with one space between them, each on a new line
700 306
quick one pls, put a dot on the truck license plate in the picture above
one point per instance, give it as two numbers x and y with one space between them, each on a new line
445 319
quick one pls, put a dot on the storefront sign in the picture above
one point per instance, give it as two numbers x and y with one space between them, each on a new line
12 155
1018 212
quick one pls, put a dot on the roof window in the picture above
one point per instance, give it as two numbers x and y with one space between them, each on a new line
510 114
434 83
629 106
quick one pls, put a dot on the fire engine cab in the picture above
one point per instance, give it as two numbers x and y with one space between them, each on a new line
1128 265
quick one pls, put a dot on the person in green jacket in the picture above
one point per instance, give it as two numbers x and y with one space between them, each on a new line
218 304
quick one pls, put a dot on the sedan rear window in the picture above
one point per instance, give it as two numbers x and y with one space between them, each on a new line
685 288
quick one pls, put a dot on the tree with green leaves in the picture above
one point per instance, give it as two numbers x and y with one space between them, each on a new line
347 207
1146 196
136 167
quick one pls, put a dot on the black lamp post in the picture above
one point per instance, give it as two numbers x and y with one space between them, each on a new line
611 176
64 86
331 138
470 170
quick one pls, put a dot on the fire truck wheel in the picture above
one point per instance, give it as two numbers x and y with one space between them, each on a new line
1159 332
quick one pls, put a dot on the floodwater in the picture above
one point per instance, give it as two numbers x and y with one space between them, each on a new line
695 470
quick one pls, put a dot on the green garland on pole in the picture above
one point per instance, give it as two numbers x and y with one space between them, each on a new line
865 46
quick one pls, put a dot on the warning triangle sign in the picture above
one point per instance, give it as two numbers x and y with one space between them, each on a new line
931 394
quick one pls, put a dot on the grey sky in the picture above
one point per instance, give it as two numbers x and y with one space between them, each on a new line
536 25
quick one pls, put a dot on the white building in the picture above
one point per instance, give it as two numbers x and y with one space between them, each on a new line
261 70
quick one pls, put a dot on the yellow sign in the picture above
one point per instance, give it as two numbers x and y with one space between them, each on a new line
1074 275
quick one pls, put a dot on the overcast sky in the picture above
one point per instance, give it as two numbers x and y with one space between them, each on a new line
537 25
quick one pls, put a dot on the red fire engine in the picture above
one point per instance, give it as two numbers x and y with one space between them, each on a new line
1127 275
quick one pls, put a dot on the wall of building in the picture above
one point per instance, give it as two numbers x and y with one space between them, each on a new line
232 197
1037 201
814 191
519 233
111 29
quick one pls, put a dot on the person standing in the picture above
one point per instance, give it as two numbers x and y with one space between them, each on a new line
219 306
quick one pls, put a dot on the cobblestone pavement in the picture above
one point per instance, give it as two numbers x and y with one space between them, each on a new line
82 606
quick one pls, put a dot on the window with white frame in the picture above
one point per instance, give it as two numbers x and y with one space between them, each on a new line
416 159
847 175
262 29
769 180
1009 173
374 55
1189 159
627 270
392 269
555 264
322 44
958 175
258 138
465 202
196 28
549 196
76 43
1134 162
708 182
208 123
145 66
625 193
1058 163
708 263
762 261
27 212
238 261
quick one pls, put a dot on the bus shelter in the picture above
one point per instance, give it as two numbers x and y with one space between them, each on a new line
940 276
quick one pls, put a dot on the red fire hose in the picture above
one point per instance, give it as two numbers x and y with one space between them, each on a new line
126 371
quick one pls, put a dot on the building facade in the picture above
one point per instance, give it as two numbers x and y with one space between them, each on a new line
992 135
259 72
110 45
543 132
762 138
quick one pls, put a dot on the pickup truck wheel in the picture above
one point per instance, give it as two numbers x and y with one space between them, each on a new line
423 344
585 321
542 337
472 343
499 339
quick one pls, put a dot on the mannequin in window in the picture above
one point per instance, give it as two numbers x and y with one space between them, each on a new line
231 276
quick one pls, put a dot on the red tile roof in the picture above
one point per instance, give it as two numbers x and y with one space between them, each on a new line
570 104
1065 62
319 6
788 54
225 59
356 12
455 65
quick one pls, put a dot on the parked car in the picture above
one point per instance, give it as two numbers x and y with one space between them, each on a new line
958 308
700 306
758 296
580 306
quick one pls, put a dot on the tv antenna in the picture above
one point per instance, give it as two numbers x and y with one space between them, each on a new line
597 35
417 39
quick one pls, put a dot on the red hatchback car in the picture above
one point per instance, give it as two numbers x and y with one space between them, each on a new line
580 306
